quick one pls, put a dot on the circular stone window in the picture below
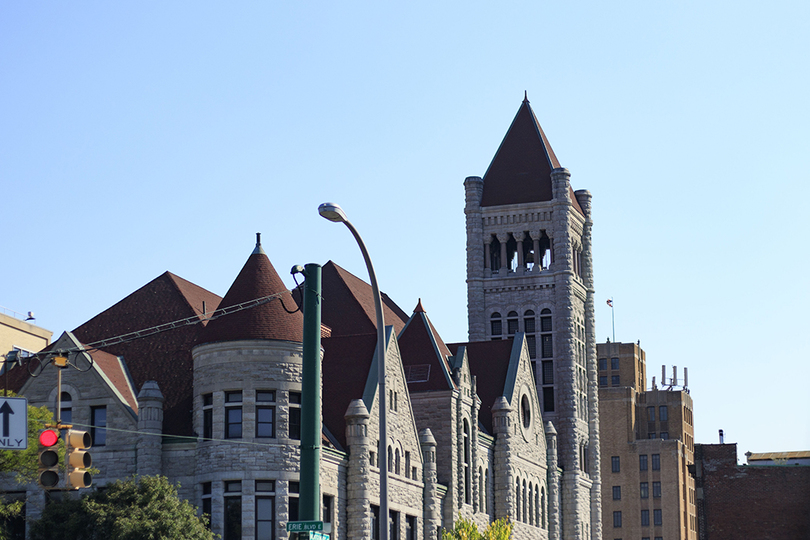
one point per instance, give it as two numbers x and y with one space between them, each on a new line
526 411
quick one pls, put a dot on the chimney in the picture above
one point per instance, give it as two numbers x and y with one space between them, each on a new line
721 437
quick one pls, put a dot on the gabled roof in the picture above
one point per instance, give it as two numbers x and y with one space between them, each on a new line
270 320
490 365
424 354
164 357
520 172
348 304
346 364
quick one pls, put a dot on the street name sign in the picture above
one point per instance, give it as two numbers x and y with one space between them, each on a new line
304 526
13 423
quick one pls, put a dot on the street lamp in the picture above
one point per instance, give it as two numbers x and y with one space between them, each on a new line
335 213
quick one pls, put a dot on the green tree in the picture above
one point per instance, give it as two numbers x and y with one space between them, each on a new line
136 509
465 529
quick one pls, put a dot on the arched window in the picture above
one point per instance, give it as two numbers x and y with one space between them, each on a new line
480 489
530 505
494 255
390 459
511 323
517 501
396 461
467 464
496 325
524 501
543 507
486 491
537 505
66 407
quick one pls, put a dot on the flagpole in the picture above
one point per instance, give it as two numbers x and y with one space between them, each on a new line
612 318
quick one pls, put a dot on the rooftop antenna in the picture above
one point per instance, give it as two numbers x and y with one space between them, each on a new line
612 317
685 378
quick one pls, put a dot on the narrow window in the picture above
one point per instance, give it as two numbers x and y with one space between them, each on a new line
328 508
663 414
656 490
66 407
645 518
548 372
615 465
657 517
650 414
603 364
396 462
548 399
614 380
546 344
511 323
233 510
98 422
375 522
206 502
208 416
617 519
265 413
528 327
603 380
642 462
393 525
614 363
617 493
496 327
656 462
467 468
295 415
233 414
265 509
293 490
543 507
410 527
644 490
407 469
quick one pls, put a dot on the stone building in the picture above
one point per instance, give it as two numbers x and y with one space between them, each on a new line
647 439
207 390
530 271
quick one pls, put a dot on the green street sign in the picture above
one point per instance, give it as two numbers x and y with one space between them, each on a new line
304 526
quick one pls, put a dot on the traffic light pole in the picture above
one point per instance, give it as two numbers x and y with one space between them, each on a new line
309 504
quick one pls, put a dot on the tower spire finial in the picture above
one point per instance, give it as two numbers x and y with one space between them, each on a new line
525 96
258 249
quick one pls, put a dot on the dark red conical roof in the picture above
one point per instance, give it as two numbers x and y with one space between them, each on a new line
257 279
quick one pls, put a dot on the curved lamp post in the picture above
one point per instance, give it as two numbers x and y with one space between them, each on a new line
335 213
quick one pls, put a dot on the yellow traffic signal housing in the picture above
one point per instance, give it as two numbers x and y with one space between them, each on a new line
78 459
48 458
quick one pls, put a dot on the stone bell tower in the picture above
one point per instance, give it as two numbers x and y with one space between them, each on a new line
529 269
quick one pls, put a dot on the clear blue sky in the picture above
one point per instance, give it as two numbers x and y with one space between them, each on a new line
143 137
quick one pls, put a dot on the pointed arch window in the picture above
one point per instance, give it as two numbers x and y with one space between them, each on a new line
494 254
467 464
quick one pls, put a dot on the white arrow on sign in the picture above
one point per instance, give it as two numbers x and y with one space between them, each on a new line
13 423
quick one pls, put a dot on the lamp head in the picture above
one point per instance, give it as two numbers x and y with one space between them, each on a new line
332 212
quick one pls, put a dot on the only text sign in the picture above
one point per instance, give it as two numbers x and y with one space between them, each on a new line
13 423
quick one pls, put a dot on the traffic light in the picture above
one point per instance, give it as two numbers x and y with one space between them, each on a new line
48 458
78 459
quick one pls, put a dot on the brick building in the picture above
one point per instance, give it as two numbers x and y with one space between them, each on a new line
767 499
647 438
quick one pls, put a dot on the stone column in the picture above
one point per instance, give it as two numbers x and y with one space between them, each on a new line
503 238
594 450
538 257
432 504
504 477
519 236
553 480
476 481
474 188
150 429
358 510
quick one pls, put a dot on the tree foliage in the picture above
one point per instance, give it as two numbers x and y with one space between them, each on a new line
134 509
465 529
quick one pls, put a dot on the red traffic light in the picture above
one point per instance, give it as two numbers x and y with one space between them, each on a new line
48 438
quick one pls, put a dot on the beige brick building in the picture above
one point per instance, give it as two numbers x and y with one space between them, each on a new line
647 438
21 334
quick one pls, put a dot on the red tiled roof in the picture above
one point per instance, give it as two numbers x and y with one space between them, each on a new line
489 364
424 354
520 172
345 370
165 357
271 320
348 304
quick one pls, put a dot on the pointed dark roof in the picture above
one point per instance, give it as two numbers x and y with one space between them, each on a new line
424 354
520 172
271 320
346 364
164 357
348 304
489 364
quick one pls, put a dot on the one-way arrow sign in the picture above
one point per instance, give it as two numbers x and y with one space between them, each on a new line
13 423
